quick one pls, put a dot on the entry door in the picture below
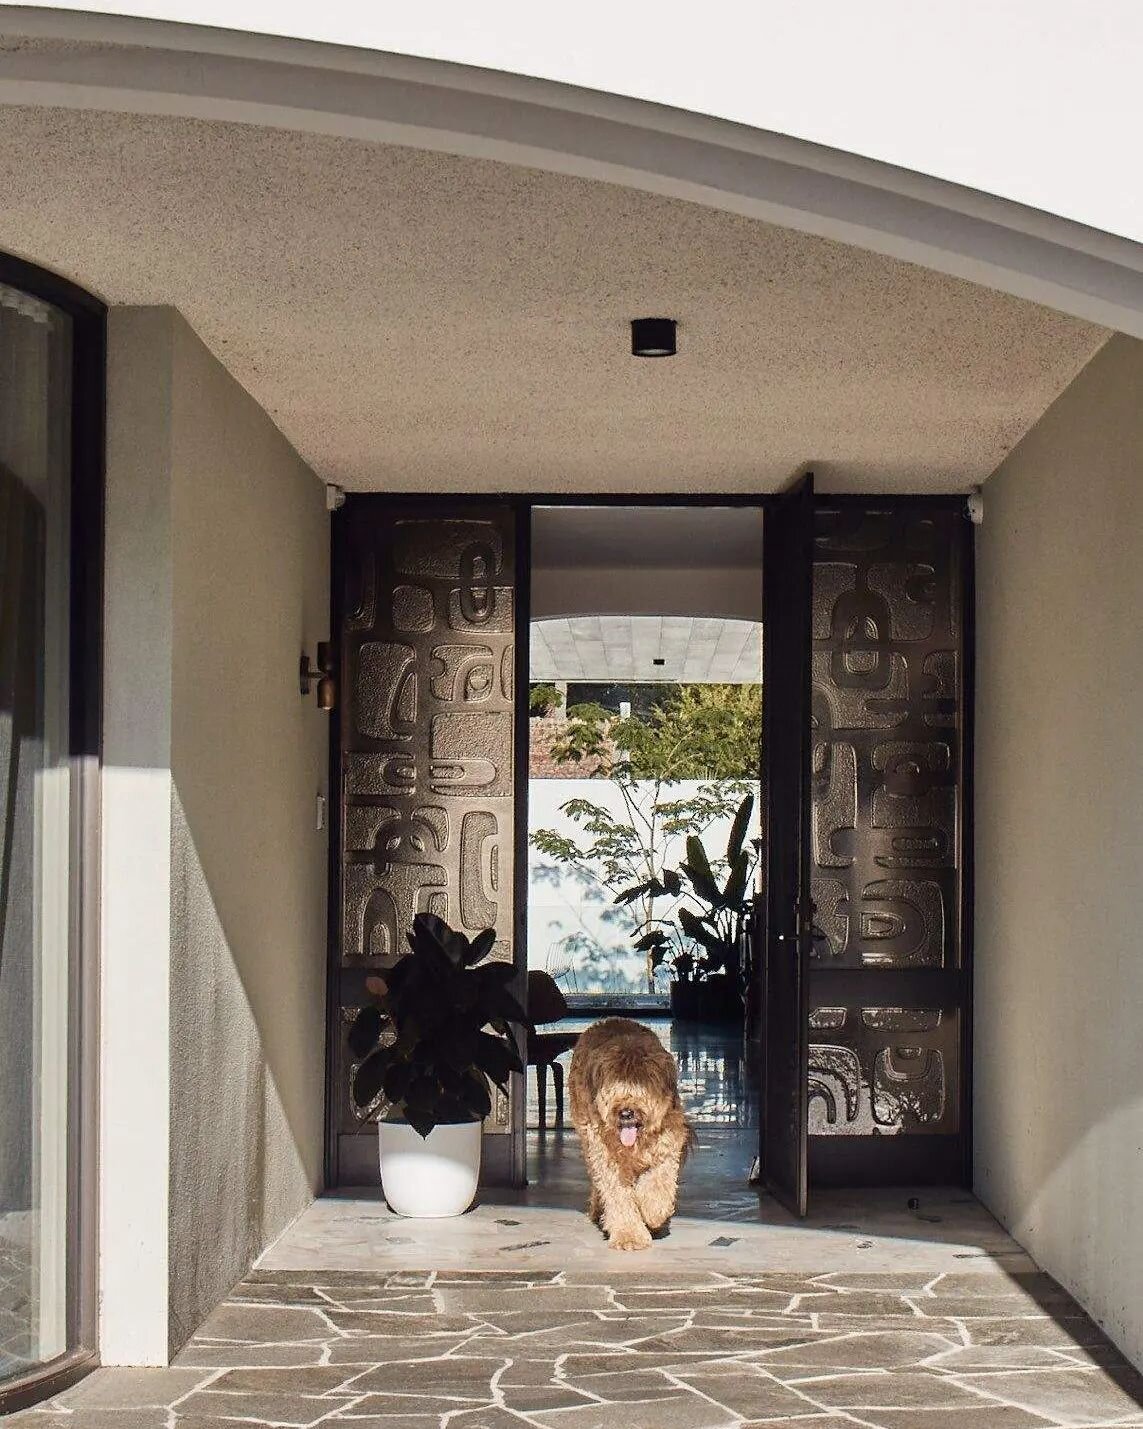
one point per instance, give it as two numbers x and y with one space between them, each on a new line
786 715
425 611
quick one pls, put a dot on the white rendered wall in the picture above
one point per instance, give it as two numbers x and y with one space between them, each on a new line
1034 100
1059 843
214 872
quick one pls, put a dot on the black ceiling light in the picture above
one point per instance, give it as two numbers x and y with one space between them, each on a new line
653 337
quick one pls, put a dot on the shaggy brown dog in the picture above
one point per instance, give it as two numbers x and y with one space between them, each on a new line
625 1106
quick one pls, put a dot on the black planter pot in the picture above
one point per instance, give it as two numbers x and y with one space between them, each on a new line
715 1000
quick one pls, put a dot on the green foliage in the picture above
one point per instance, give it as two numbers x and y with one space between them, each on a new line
704 937
423 1043
705 733
543 699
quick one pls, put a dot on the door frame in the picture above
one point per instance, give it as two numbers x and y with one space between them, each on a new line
87 456
522 505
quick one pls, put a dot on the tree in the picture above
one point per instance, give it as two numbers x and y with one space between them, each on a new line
706 733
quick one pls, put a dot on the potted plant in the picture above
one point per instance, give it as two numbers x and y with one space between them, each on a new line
702 943
438 1029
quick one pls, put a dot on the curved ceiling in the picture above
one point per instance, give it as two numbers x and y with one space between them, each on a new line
415 320
631 649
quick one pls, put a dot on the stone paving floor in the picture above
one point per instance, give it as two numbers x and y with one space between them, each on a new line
577 1350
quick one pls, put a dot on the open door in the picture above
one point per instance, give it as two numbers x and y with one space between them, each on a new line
787 572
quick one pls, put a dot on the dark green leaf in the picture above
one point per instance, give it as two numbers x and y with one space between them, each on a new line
396 1081
697 929
422 1122
369 1078
476 1094
365 1030
738 828
734 890
482 945
497 1057
422 1093
697 869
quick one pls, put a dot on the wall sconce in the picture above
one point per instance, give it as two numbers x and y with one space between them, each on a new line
322 672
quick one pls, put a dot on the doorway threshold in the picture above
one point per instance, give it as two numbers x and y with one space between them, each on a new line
747 1232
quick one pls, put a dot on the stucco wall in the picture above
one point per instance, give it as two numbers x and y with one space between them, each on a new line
218 549
248 758
1059 778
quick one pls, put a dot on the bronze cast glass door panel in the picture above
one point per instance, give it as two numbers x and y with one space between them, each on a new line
426 609
889 989
786 572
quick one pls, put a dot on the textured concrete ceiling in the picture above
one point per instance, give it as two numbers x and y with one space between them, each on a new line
623 649
414 320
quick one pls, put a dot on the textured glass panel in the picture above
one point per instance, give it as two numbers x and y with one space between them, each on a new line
883 1072
887 637
427 738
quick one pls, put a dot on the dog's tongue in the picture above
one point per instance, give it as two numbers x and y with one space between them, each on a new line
629 1135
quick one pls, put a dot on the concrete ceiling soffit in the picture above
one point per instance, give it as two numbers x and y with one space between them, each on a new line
87 61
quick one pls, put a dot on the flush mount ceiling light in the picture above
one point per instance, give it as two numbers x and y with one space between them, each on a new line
653 337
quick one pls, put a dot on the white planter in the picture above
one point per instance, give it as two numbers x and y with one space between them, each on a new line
429 1177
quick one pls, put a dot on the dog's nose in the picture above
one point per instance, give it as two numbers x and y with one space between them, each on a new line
626 1116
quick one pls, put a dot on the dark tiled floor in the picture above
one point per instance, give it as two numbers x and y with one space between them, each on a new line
466 1350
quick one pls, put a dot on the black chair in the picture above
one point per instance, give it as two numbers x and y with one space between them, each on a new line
546 1003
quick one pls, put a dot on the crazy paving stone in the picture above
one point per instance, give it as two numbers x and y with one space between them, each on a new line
259 1324
287 1409
904 1390
1076 1396
458 1377
367 1350
320 1379
988 1416
681 1411
888 1349
134 1388
752 1396
968 1358
544 1396
378 1322
218 1356
622 1385
501 1300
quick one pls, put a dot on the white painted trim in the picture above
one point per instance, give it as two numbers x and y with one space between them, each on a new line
296 84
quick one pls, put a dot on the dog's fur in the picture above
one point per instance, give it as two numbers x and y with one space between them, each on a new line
621 1074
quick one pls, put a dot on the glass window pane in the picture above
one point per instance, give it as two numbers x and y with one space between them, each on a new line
35 403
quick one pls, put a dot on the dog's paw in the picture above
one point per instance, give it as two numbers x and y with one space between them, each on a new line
630 1238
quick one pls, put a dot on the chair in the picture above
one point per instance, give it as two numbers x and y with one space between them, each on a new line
546 1003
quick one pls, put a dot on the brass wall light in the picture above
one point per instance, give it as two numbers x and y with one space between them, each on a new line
322 672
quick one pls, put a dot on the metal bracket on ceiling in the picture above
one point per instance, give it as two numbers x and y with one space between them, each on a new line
975 505
334 497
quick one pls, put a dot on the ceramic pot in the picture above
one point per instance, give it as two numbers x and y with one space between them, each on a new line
429 1177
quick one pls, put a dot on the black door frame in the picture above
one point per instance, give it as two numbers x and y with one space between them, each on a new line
523 504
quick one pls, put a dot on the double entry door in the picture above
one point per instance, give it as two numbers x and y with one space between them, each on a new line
864 978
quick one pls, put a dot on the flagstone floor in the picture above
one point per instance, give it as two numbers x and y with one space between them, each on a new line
482 1350
884 1310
